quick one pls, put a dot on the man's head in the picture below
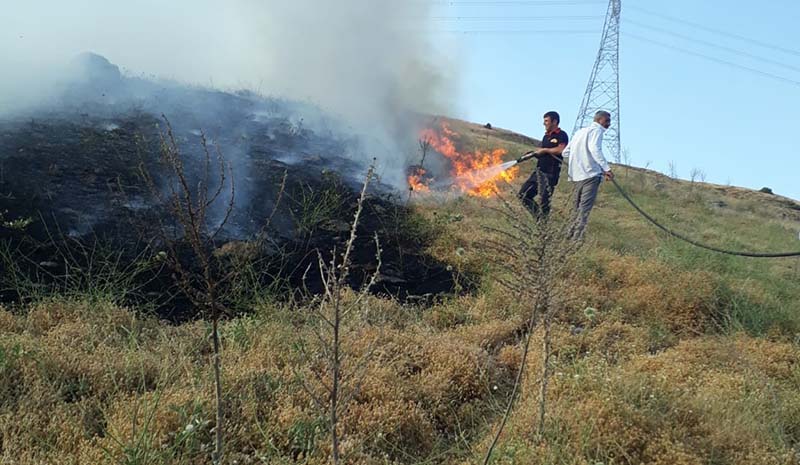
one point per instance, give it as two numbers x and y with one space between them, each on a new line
551 121
603 118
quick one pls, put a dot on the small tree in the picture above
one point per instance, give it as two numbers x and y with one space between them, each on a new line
338 375
192 236
626 156
626 159
673 170
697 175
424 148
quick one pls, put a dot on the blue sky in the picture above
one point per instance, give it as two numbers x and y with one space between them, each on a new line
737 126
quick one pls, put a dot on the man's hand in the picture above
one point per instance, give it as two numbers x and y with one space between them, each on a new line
609 175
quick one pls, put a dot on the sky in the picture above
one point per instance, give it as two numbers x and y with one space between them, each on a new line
738 127
493 61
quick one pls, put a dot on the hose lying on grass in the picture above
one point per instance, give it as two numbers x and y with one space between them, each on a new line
693 242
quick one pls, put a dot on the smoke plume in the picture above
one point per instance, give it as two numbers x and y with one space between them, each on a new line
367 62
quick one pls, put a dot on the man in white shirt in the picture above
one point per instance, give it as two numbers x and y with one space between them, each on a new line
587 167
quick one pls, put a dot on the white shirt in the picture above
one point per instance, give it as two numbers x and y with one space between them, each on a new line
585 153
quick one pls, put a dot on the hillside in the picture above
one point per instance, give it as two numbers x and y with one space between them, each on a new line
662 353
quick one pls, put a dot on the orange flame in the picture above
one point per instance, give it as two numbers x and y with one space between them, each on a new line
472 172
417 180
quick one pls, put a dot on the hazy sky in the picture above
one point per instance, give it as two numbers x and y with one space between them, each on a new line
354 58
360 55
325 51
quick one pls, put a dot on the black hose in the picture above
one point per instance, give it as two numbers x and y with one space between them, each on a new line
695 243
526 156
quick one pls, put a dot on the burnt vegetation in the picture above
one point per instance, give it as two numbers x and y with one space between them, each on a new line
90 209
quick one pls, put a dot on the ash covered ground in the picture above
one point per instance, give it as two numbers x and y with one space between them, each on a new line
74 167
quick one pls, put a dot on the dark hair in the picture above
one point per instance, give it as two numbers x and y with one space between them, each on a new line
553 116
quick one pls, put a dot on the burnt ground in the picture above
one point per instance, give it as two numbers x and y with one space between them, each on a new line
77 175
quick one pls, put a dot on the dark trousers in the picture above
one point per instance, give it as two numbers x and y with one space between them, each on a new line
585 196
542 184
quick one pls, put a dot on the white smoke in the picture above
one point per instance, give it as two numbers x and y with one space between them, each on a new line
368 61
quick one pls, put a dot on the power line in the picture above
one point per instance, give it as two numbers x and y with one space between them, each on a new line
512 32
515 18
717 31
515 2
710 58
714 45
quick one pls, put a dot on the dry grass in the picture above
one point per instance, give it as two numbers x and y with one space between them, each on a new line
709 400
84 384
81 387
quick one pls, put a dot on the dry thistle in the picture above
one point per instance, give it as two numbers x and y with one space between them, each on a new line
337 375
532 255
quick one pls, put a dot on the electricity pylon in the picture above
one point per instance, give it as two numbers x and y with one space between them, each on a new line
602 92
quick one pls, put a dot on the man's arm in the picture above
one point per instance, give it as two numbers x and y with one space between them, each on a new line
553 150
596 152
566 151
559 149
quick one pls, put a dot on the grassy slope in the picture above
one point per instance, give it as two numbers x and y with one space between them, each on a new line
691 357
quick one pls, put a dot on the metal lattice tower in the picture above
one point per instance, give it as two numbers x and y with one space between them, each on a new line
602 92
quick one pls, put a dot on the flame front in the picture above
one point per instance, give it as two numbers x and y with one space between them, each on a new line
475 173
417 180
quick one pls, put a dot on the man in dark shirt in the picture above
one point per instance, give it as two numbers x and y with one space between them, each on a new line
544 178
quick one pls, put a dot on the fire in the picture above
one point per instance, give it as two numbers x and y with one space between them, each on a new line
474 173
417 179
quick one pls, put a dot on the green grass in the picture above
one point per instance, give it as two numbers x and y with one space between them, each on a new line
760 294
